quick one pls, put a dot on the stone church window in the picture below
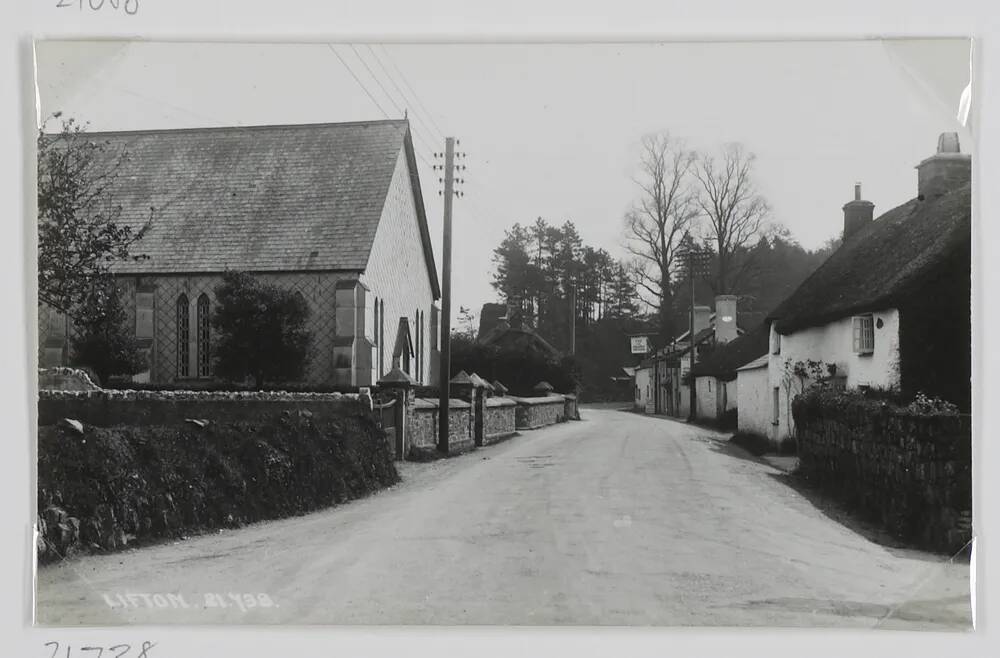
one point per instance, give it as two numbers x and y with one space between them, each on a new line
204 356
183 337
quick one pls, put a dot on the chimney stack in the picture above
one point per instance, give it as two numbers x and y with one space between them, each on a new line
857 213
702 318
944 171
725 318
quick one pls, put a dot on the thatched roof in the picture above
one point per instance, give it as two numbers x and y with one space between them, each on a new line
882 264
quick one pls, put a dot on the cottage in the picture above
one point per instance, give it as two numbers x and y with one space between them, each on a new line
716 375
669 366
333 211
889 309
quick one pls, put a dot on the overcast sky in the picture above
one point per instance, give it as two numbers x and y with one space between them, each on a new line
553 130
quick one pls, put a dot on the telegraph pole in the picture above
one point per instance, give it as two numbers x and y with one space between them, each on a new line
697 263
572 318
450 193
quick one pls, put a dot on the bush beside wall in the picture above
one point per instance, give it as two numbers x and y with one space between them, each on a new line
110 486
909 471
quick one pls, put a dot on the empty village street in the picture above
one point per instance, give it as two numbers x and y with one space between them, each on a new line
618 519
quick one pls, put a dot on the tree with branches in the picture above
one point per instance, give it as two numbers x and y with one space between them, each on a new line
80 232
655 224
735 210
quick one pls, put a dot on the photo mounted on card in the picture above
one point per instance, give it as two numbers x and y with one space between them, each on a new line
629 334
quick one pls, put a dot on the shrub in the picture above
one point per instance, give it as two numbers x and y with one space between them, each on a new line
518 369
261 331
103 343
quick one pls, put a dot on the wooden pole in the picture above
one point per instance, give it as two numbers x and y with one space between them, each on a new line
445 370
572 319
691 379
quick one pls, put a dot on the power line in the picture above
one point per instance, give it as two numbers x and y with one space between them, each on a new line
413 93
358 80
386 93
374 77
406 99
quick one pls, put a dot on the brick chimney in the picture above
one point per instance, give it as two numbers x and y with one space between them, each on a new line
725 318
945 170
857 213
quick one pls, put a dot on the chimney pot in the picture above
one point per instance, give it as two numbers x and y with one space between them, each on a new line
857 191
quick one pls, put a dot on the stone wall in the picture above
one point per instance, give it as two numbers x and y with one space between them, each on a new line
500 420
533 413
909 471
422 427
107 408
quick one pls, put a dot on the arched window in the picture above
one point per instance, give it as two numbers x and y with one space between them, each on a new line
204 357
183 337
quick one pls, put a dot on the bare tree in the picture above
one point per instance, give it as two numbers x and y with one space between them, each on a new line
656 222
734 208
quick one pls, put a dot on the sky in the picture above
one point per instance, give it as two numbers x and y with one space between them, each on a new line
553 130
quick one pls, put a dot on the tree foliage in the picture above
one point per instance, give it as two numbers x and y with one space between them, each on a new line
80 232
103 341
261 331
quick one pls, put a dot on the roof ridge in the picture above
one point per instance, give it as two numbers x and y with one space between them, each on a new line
264 126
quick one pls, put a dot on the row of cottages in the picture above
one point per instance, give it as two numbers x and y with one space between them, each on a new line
890 309
661 379
333 211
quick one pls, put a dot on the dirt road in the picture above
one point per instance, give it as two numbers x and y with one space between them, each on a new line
619 519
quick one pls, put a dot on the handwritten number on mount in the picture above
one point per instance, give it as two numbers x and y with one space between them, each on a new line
116 651
131 7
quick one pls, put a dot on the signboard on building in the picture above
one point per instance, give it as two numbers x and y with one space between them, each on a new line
640 344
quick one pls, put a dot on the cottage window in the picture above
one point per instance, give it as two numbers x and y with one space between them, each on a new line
183 337
375 324
204 356
776 404
863 334
775 342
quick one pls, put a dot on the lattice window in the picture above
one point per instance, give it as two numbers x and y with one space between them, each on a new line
863 334
183 337
204 351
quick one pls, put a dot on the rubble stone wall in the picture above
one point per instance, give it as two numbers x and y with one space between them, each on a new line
911 472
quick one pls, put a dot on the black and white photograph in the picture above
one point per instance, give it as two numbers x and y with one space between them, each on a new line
377 333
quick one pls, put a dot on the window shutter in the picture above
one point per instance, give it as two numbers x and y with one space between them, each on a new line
856 331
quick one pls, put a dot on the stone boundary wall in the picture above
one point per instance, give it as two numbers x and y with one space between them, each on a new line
910 472
107 408
422 426
500 420
533 413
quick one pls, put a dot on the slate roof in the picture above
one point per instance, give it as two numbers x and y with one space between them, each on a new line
261 198
724 361
882 264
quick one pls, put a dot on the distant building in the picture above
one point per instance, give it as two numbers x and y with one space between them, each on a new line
332 211
668 367
501 325
889 309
